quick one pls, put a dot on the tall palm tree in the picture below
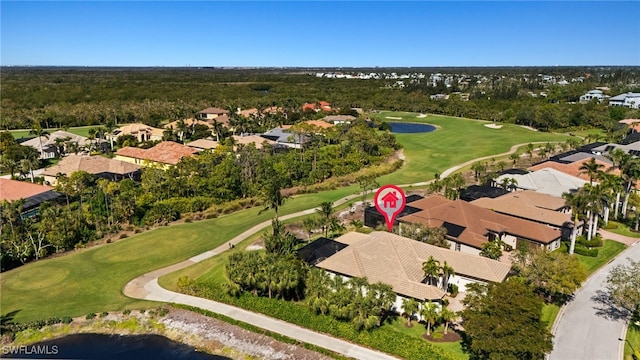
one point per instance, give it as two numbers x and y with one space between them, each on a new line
325 210
38 131
410 307
613 187
630 172
447 273
447 316
592 169
272 197
576 203
429 314
431 269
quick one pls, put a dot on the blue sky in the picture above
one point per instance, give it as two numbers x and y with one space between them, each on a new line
322 34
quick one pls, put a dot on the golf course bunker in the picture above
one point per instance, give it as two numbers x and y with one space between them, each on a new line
493 126
410 128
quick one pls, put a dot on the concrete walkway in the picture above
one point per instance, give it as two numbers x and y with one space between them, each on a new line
146 287
589 326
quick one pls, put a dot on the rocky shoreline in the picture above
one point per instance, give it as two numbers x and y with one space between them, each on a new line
204 333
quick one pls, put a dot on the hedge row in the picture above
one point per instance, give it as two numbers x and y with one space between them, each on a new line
398 344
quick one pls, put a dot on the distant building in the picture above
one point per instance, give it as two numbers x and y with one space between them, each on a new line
164 154
630 100
211 113
100 167
140 131
49 147
593 94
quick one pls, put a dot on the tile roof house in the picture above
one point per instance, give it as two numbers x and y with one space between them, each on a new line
283 137
395 260
98 166
572 169
189 122
530 205
211 113
203 144
339 119
140 131
319 123
33 194
470 226
547 181
49 148
257 140
319 106
632 124
164 154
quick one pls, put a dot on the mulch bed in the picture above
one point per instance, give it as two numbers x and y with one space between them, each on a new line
451 336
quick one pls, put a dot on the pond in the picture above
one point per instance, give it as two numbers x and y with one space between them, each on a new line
98 347
410 128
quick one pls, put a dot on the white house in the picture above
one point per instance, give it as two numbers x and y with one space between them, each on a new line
630 100
593 94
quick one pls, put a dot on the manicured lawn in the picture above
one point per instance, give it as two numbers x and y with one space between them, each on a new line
455 141
633 336
622 229
453 348
82 131
92 280
607 252
549 314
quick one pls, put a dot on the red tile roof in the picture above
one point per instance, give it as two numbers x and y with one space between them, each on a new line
166 152
573 168
12 190
213 110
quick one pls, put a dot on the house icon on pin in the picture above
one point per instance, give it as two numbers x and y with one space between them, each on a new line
389 200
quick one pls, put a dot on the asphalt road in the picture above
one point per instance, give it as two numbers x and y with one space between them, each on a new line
588 327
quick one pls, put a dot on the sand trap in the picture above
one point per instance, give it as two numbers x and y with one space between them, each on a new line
421 116
493 126
393 117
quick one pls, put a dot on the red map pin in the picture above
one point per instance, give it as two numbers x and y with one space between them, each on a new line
390 200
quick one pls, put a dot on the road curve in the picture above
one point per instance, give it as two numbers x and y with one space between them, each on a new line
146 287
588 327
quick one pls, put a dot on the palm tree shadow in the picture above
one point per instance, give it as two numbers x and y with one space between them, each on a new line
607 307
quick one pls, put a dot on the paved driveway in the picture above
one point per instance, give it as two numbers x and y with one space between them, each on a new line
589 326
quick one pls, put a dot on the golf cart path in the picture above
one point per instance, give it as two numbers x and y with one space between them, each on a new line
146 287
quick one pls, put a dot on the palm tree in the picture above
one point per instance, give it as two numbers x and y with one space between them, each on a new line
38 131
576 203
514 159
272 197
91 135
429 314
325 210
592 169
410 307
447 273
109 127
431 269
615 185
447 316
630 172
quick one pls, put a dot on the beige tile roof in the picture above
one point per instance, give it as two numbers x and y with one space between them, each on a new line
35 142
213 110
166 152
573 168
477 221
136 128
12 190
189 122
91 164
397 261
252 139
203 144
528 204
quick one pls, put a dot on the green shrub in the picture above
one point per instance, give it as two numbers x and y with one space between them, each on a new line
581 250
595 241
453 290
90 316
67 320
123 236
610 226
104 314
127 312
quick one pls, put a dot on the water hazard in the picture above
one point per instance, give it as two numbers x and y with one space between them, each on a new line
108 347
409 128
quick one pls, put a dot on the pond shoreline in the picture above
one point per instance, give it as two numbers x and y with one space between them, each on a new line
204 333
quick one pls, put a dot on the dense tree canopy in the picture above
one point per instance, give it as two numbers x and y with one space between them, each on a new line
502 321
